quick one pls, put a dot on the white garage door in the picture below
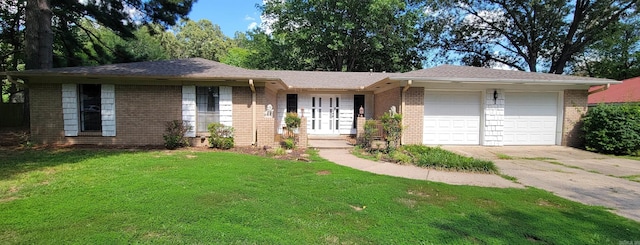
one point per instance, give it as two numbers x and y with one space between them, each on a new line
451 118
530 118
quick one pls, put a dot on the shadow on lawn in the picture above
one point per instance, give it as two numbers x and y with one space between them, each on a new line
538 227
14 161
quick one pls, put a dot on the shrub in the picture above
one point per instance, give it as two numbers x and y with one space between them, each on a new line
174 134
291 120
613 129
400 157
392 125
278 151
439 158
221 136
370 130
289 143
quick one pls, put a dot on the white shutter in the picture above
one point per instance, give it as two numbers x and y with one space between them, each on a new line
108 109
70 109
226 106
346 114
189 108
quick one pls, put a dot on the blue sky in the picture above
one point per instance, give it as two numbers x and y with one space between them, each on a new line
230 15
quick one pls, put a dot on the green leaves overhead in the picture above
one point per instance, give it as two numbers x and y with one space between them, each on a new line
342 35
201 39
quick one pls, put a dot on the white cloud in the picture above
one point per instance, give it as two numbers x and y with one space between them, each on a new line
252 26
249 18
500 66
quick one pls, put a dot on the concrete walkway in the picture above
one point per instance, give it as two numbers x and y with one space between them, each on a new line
345 158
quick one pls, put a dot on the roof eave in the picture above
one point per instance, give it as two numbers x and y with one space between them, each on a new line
22 75
504 81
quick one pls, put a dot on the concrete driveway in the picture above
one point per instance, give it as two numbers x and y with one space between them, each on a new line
581 176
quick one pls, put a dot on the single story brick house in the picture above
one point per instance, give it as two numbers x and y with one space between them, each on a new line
128 104
627 92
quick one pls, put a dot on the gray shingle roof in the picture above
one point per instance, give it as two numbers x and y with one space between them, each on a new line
197 68
327 79
191 68
479 74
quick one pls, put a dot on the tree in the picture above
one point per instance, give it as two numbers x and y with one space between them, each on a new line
614 57
202 39
523 34
344 35
115 15
11 48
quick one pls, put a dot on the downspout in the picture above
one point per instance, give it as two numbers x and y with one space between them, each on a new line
403 96
253 113
605 87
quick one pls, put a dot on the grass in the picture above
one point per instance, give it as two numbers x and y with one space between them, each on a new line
635 178
437 157
504 156
634 157
167 197
509 177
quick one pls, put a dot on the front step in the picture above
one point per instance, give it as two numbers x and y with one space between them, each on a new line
327 137
329 142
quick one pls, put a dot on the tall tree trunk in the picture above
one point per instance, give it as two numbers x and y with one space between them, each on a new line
39 37
38 42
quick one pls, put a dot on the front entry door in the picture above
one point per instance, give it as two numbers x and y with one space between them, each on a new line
324 114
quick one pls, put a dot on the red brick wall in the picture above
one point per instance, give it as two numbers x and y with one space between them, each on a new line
141 114
47 125
242 119
266 126
413 116
386 99
575 106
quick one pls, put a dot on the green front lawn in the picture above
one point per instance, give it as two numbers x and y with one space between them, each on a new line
114 196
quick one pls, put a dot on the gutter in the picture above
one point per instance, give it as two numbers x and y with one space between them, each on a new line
253 113
605 87
402 107
507 81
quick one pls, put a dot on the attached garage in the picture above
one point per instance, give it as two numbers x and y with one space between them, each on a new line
530 118
451 118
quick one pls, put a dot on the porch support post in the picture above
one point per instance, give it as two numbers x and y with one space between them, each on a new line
402 106
253 113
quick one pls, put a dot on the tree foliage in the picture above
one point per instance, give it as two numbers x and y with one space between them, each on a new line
11 45
201 39
523 34
615 57
59 21
343 35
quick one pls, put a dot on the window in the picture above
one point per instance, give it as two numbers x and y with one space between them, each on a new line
208 107
90 107
292 103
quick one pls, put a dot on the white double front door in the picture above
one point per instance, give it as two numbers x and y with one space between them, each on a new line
325 114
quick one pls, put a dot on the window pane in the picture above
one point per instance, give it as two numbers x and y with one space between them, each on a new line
208 106
90 107
292 103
